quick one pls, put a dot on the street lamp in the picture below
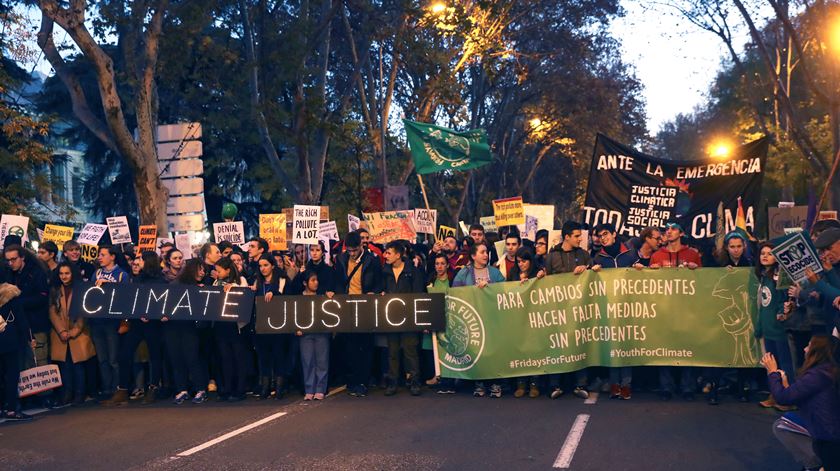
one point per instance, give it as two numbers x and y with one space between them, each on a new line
720 149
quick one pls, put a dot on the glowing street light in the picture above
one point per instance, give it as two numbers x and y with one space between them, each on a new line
720 150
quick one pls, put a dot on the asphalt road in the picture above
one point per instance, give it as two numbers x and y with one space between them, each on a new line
402 432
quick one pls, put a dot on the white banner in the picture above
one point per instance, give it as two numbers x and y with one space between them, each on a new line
118 228
328 231
305 224
425 220
91 233
353 223
233 232
38 379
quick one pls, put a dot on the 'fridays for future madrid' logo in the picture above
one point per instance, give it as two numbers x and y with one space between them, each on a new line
463 340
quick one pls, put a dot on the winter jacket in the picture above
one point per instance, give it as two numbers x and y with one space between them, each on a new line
667 259
770 303
81 344
561 261
626 258
371 272
326 278
34 294
16 331
466 277
411 280
818 399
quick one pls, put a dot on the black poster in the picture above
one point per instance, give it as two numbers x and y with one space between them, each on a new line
352 313
632 190
156 301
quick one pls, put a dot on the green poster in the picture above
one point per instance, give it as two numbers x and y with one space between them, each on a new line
619 317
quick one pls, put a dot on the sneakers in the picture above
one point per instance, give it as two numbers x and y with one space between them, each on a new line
199 397
391 389
16 416
581 392
495 390
181 397
138 393
557 392
357 391
520 390
626 392
479 390
318 396
414 388
150 396
615 391
308 397
533 391
119 398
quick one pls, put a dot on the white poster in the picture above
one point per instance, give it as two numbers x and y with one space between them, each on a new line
233 232
13 225
118 228
488 223
425 220
183 242
353 223
328 231
91 233
305 224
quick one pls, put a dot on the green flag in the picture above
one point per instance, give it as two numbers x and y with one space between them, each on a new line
436 148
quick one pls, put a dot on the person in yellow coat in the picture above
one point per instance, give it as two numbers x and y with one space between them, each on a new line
70 342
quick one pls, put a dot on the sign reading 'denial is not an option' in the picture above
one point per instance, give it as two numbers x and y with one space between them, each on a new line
156 301
351 313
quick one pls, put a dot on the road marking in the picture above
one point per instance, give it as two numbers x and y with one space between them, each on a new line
592 399
228 435
564 458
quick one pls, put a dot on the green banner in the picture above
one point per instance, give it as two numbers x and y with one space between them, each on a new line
435 148
619 317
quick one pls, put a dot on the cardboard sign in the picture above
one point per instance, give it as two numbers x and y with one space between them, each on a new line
38 379
89 252
445 231
183 242
155 301
233 232
425 220
305 224
91 233
147 238
826 215
57 234
389 226
273 229
779 219
118 229
509 211
328 231
795 254
13 225
351 313
488 223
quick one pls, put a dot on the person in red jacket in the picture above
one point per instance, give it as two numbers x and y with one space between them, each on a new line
675 254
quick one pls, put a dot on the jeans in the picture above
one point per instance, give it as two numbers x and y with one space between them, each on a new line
799 446
151 332
182 347
408 342
72 377
359 355
106 340
315 360
781 350
622 376
666 379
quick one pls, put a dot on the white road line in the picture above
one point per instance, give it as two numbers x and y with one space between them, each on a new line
228 435
564 458
592 399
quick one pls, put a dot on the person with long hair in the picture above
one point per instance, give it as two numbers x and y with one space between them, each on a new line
181 337
438 281
771 314
816 393
314 350
526 268
231 338
70 342
272 349
173 263
105 332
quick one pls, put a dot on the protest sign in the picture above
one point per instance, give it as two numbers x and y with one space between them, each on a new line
183 242
328 231
273 229
13 225
464 228
91 233
305 224
425 220
499 247
488 223
395 198
38 379
632 190
444 232
543 213
233 232
353 223
57 234
155 301
563 323
529 229
823 215
89 252
508 211
351 313
163 240
118 229
795 254
779 219
391 225
147 237
40 234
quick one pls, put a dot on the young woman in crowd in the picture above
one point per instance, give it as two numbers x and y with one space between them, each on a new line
479 273
317 264
182 344
173 263
105 332
771 314
526 268
272 349
440 279
239 262
314 350
817 394
231 339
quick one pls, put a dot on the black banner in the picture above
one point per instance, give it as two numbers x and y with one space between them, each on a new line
155 301
351 313
632 190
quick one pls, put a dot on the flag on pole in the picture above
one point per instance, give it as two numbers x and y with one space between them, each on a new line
435 148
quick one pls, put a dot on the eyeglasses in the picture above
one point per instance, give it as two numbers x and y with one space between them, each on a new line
12 260
540 243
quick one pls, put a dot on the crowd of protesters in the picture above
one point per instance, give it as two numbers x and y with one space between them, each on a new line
141 360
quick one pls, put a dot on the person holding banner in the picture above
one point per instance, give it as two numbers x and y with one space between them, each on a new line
105 332
674 254
438 281
257 247
526 269
771 315
70 342
273 350
314 350
401 277
14 336
173 263
650 239
231 339
72 252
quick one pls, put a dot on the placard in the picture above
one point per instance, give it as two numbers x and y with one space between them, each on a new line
509 211
779 219
89 252
13 225
273 229
183 242
351 313
445 231
328 231
91 233
118 229
795 254
425 220
57 234
233 232
353 223
488 223
389 226
154 301
38 379
163 240
305 224
147 238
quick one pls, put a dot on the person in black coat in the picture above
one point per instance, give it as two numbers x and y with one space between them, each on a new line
14 334
316 263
